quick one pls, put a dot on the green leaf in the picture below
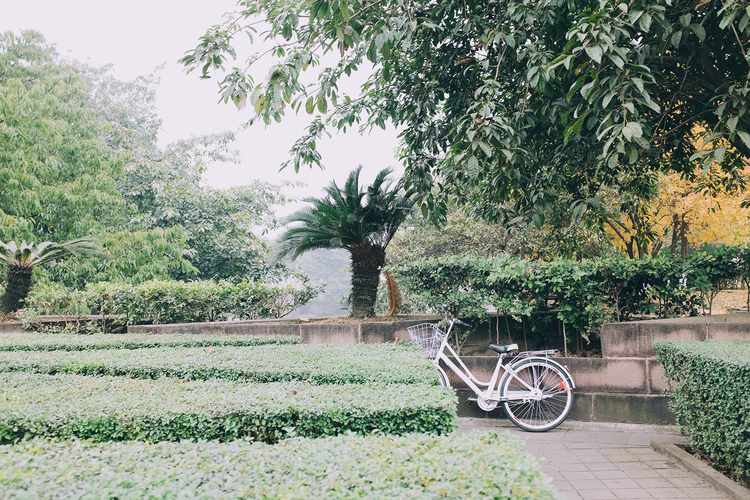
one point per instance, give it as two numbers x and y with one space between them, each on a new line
322 104
741 25
608 98
632 130
472 167
595 53
310 105
576 87
645 22
732 123
344 11
675 40
486 148
699 31
574 128
745 137
719 154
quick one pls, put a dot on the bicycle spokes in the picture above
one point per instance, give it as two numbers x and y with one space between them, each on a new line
542 407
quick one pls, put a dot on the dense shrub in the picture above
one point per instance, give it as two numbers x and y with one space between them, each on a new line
45 342
474 465
122 409
317 364
710 389
160 302
581 294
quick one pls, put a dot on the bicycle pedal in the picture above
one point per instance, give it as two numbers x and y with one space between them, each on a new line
471 400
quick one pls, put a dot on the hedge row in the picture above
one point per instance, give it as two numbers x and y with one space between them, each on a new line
122 409
46 342
160 302
583 295
317 364
710 388
474 465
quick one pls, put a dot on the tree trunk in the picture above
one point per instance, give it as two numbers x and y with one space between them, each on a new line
366 263
17 287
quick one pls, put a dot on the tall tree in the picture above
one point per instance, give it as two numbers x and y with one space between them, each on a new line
506 100
362 221
684 216
79 157
57 176
224 227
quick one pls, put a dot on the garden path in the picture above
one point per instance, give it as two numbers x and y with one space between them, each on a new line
603 461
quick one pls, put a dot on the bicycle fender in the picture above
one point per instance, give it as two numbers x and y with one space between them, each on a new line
549 361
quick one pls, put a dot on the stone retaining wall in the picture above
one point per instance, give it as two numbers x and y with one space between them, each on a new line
311 332
636 338
607 390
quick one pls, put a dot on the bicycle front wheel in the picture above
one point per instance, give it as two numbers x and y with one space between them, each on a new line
443 378
539 395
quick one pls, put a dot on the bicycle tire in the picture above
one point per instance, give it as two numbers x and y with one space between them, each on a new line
538 415
443 378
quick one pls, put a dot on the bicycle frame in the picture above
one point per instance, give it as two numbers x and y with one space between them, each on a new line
489 390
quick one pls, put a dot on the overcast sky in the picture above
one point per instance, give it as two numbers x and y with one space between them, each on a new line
136 36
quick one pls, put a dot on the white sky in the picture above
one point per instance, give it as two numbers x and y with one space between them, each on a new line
138 35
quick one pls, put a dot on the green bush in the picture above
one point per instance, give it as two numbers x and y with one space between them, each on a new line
161 302
122 409
581 294
474 465
317 364
710 389
45 342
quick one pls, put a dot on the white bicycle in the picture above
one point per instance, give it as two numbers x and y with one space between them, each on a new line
536 392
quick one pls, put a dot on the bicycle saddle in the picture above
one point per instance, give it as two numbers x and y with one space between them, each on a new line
502 349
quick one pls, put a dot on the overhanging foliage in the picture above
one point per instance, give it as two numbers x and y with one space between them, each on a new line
504 100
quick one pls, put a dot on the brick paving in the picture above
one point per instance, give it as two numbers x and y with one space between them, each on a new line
599 461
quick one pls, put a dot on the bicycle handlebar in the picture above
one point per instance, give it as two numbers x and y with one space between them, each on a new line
454 321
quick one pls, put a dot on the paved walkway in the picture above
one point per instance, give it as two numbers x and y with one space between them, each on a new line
600 461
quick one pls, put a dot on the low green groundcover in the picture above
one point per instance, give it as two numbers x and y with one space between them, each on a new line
121 409
318 364
51 342
710 389
474 465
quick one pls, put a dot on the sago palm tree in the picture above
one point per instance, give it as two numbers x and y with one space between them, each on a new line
20 261
361 221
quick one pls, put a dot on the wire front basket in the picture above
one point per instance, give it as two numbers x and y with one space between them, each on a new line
428 336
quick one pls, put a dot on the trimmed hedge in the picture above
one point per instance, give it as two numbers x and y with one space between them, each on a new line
710 389
581 294
316 364
474 465
159 301
47 342
122 409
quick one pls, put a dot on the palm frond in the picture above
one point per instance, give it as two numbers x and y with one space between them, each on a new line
347 216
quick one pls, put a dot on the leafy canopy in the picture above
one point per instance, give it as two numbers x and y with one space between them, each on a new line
504 100
79 157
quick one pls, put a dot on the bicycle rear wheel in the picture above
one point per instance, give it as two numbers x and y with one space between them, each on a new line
546 405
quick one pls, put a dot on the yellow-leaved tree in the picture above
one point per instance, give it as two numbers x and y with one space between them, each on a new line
685 213
680 217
